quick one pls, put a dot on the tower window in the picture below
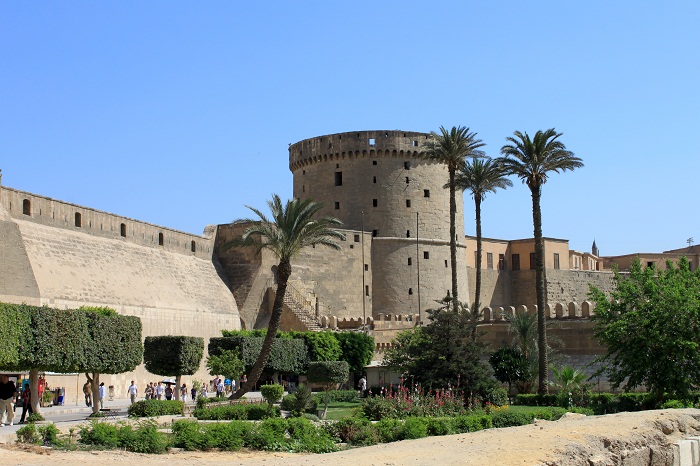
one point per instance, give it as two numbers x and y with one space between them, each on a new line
410 291
27 207
556 260
122 229
515 259
337 205
374 203
374 162
410 262
356 238
78 220
446 263
407 180
160 239
372 141
193 246
408 233
375 233
303 188
426 255
339 178
407 165
415 143
366 290
366 267
408 203
374 179
426 193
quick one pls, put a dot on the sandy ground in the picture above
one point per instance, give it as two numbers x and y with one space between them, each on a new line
573 440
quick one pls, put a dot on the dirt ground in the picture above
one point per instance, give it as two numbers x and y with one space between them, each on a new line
634 439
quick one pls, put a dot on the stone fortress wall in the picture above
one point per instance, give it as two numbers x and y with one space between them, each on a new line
50 258
377 181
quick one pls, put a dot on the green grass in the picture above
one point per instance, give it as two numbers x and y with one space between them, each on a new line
338 410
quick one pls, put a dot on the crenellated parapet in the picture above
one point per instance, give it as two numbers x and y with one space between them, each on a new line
571 310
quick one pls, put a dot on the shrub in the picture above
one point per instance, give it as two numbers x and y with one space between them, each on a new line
306 437
35 417
144 439
440 426
304 401
28 434
510 419
240 412
376 408
389 430
269 435
673 404
358 432
472 423
343 396
189 434
150 408
414 427
603 403
229 436
497 396
272 393
288 402
49 434
99 434
533 399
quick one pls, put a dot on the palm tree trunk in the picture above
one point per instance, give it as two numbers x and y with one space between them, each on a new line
95 389
477 301
453 239
284 271
539 289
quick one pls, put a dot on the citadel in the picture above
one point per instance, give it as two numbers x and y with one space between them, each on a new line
393 265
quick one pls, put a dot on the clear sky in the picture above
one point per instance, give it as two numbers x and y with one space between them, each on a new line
180 113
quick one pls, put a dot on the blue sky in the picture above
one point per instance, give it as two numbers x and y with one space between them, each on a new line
180 113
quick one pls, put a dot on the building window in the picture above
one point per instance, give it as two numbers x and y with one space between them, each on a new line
78 220
375 233
372 141
366 290
408 203
374 162
446 266
650 264
408 233
122 229
489 260
337 205
356 238
407 165
410 262
160 239
27 207
410 291
339 178
374 179
515 259
501 262
556 260
366 267
426 193
532 261
426 255
193 246
374 203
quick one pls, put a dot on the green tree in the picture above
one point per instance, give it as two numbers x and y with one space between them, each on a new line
509 365
227 363
176 355
328 373
568 379
291 228
451 148
532 160
446 352
479 177
650 325
357 349
322 346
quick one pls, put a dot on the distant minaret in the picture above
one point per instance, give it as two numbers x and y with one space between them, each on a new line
594 250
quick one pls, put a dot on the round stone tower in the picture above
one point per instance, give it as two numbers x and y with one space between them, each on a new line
378 182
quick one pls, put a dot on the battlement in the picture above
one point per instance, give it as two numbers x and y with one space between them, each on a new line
356 144
25 206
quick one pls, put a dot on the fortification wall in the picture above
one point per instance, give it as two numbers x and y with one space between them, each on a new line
378 181
562 285
496 287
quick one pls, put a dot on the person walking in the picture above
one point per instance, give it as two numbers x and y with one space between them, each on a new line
132 391
159 391
8 390
183 392
26 403
87 391
193 392
103 394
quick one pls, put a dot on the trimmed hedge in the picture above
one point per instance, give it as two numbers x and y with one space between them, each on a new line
287 355
239 412
344 396
173 354
150 408
599 403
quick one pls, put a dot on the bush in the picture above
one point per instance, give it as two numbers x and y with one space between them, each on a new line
357 432
101 434
533 399
510 419
304 401
440 426
272 393
306 437
496 396
151 408
143 439
191 435
35 417
269 435
343 396
673 404
28 434
389 430
240 412
49 434
414 427
288 402
376 408
472 423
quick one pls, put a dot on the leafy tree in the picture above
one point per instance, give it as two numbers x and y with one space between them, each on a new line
322 346
357 349
509 365
446 352
291 228
287 355
115 346
479 177
328 373
650 325
451 148
228 363
176 355
532 160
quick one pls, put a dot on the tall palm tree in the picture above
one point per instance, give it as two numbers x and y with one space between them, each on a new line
291 228
452 148
531 160
481 176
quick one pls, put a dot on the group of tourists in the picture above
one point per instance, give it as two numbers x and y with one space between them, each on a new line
9 400
87 391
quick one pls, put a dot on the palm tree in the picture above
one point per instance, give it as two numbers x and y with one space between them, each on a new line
531 160
291 228
479 177
452 148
